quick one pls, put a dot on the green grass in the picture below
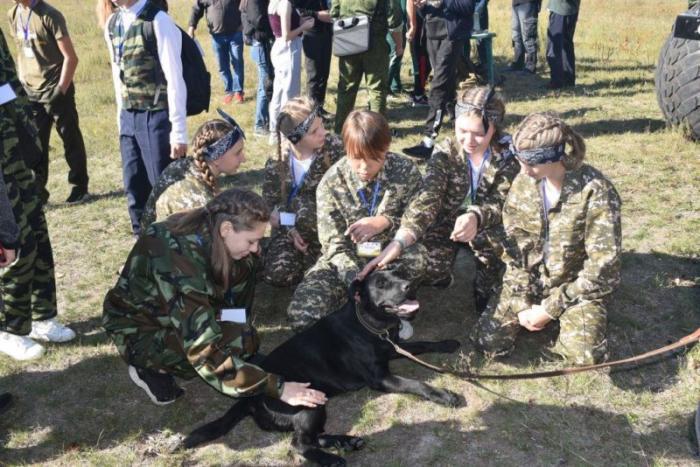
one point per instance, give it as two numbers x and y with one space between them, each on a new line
76 406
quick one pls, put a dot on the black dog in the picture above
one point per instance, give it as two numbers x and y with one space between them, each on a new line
342 352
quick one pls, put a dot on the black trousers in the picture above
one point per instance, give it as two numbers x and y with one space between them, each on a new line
443 54
560 49
64 114
317 47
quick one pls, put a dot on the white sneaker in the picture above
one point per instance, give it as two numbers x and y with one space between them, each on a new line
51 330
20 347
405 330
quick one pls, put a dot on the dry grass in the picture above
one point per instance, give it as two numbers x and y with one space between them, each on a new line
77 406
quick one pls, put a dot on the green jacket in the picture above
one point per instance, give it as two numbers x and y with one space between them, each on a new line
564 7
166 288
584 240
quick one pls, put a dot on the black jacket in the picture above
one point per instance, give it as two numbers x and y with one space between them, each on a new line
459 15
223 16
255 22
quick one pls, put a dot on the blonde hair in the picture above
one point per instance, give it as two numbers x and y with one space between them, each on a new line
546 129
242 208
294 112
366 135
103 10
495 109
209 133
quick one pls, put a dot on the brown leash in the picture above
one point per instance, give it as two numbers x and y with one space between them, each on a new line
687 340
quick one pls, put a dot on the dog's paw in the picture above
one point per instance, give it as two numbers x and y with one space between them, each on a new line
449 398
343 442
449 346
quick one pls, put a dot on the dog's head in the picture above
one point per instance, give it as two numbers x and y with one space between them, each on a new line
385 295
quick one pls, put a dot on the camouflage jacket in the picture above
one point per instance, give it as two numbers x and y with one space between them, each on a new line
445 193
167 283
339 205
304 203
179 187
584 240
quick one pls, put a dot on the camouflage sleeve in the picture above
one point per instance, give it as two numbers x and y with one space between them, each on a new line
272 189
337 247
178 197
334 147
489 211
600 273
214 349
424 208
404 185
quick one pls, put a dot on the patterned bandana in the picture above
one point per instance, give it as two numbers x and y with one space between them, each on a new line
217 149
463 107
301 129
541 155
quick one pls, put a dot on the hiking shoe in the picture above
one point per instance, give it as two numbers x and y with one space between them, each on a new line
51 330
419 151
228 98
419 101
405 330
5 401
77 195
20 347
238 97
160 387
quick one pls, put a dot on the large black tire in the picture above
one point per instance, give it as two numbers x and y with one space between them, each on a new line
677 82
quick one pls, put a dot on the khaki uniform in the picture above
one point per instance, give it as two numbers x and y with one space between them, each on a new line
164 314
446 194
284 264
324 287
582 238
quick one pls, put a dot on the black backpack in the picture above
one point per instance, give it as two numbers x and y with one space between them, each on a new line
194 71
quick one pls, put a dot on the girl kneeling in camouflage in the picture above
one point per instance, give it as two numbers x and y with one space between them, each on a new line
191 182
181 306
562 249
289 189
360 201
465 185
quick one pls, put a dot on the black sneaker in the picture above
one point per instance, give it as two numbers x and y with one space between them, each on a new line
5 401
77 195
160 387
419 151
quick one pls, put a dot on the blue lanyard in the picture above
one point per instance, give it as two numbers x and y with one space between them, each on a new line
295 187
361 193
480 172
25 27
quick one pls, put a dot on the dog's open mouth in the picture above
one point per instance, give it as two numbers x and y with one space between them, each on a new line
406 309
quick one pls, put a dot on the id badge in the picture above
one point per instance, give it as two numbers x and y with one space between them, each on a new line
233 315
27 50
288 219
369 249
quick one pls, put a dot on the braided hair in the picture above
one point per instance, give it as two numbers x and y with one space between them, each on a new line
242 208
494 112
294 112
207 134
546 129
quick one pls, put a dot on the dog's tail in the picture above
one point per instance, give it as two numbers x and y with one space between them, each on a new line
218 427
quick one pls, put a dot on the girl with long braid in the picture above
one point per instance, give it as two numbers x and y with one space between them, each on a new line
181 306
465 185
190 182
304 154
562 249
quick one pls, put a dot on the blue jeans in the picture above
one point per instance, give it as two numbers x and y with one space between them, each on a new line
228 49
262 115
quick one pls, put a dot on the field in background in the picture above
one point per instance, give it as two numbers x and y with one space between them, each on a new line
77 405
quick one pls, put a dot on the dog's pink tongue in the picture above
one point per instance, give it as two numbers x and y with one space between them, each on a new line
409 306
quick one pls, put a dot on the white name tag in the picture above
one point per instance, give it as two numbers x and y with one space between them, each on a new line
28 51
288 219
369 249
234 315
7 94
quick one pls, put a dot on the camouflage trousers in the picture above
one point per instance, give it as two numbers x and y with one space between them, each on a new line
285 265
441 257
28 286
325 287
582 328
